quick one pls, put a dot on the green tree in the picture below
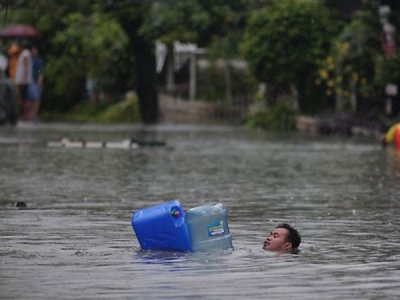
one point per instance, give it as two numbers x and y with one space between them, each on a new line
142 21
77 40
89 46
284 43
191 21
349 71
131 14
49 17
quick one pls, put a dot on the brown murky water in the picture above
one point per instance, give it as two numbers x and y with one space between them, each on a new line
75 240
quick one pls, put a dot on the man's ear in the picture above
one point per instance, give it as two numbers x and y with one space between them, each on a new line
288 245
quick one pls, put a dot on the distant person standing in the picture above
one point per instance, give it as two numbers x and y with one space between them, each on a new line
13 53
23 78
392 136
35 88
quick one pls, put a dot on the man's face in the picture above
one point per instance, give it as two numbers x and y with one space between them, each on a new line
277 240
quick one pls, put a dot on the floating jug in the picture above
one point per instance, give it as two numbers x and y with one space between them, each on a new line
162 227
208 228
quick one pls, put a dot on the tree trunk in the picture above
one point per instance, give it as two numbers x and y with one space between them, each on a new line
192 77
170 70
145 70
145 64
228 82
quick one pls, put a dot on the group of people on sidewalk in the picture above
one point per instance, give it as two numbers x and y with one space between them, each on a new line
26 71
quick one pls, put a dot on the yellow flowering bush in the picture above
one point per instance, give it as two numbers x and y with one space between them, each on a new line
349 70
338 79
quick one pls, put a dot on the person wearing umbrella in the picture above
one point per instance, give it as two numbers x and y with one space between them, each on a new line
17 31
23 78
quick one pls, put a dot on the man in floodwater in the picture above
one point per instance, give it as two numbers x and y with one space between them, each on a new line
283 238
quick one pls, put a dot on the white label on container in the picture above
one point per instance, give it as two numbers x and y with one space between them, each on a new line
216 228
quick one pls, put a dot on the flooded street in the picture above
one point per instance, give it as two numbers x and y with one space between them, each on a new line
75 239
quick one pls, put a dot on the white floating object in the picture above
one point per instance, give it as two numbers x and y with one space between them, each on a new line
94 144
72 144
75 145
55 144
125 144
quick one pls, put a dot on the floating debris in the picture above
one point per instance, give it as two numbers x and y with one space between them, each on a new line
21 205
124 144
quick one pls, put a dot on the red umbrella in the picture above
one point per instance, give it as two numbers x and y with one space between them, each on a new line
19 31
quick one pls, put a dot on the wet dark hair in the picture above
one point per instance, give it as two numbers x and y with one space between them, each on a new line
293 236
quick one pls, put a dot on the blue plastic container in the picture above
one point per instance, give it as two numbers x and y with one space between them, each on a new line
208 228
162 227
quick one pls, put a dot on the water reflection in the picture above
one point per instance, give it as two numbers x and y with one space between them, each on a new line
342 196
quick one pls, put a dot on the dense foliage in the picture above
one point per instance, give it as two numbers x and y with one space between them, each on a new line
284 41
92 47
281 117
349 71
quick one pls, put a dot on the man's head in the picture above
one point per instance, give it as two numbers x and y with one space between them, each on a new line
283 237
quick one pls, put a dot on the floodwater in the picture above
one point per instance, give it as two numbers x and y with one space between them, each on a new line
75 240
